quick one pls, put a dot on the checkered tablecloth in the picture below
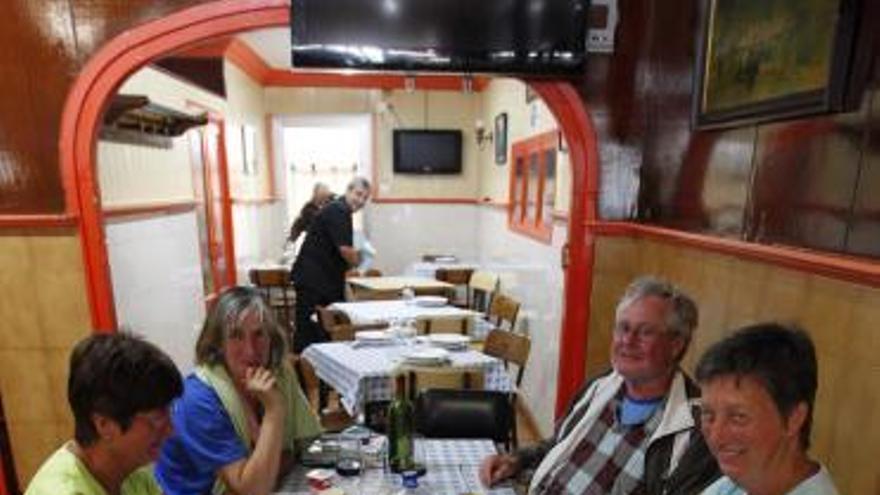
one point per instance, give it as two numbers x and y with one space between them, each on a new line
363 373
452 469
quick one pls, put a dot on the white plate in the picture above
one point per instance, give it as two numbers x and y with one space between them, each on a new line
428 356
449 339
430 301
372 336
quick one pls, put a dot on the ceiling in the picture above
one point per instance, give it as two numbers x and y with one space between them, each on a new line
273 45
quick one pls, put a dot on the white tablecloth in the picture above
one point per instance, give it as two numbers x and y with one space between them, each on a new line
363 373
429 268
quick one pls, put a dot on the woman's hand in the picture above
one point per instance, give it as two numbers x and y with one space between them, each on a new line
261 383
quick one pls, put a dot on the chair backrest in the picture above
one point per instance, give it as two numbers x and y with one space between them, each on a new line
459 277
274 284
503 309
509 347
373 272
448 413
456 276
481 287
336 324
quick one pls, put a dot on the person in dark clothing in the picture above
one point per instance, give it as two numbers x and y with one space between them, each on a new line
321 195
634 430
318 273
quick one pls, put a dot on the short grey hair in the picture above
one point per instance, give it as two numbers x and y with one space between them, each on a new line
359 182
683 318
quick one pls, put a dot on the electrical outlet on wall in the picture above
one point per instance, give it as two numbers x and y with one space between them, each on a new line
601 23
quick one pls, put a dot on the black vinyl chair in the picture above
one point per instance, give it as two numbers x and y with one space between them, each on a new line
452 413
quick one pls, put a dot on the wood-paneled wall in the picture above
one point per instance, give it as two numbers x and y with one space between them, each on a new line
44 312
43 305
841 318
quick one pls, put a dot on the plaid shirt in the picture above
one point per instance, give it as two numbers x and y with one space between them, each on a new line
609 460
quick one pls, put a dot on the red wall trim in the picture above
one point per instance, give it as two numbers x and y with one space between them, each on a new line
560 215
91 91
572 115
287 78
150 209
431 201
245 58
124 54
269 134
42 221
844 268
253 201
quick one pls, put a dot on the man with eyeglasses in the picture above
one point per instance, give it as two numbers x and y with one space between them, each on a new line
635 429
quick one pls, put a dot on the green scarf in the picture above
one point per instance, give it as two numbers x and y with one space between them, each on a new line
299 422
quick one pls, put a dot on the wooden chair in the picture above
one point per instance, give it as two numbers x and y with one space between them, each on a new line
274 284
459 277
481 287
503 309
336 324
373 272
445 325
510 348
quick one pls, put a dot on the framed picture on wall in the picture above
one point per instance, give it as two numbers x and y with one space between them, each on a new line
762 60
500 134
249 149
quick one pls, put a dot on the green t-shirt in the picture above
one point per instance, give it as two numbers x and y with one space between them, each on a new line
64 474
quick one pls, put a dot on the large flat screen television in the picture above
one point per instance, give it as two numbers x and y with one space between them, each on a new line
427 151
516 37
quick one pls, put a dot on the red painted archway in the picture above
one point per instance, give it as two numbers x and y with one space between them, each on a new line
128 52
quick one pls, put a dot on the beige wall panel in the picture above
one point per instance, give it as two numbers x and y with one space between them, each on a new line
245 106
32 442
416 110
429 110
523 120
26 392
42 289
21 324
841 317
299 101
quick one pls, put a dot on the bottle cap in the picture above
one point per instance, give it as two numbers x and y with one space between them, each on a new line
410 479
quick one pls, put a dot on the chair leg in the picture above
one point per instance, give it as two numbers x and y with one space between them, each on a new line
513 431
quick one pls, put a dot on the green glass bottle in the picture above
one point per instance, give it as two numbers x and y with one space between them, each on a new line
400 429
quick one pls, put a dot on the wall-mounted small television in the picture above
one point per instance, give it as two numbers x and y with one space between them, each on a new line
427 151
516 37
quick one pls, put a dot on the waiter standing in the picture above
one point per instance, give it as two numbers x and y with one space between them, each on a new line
327 253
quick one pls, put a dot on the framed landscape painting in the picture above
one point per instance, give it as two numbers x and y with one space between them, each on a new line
763 60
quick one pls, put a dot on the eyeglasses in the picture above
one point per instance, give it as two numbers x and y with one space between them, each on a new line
642 333
157 419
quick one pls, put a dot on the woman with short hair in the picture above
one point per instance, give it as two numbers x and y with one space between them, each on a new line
242 409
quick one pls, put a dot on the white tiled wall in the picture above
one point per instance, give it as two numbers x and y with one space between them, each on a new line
157 283
530 272
401 233
260 231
